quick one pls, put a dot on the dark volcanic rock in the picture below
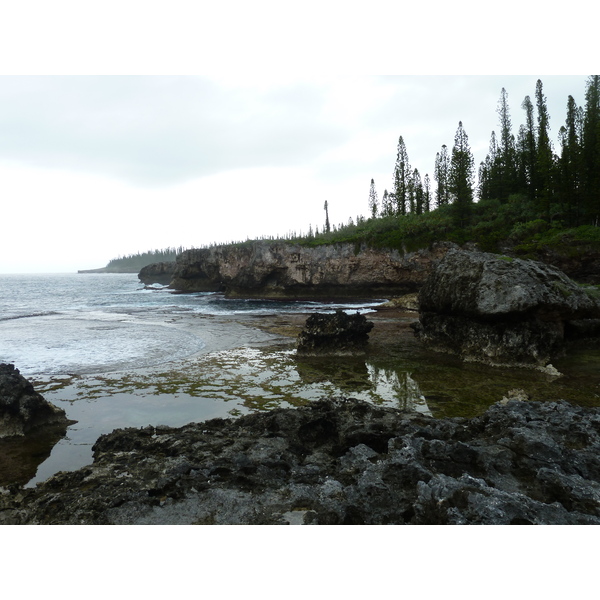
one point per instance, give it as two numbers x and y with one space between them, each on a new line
161 272
22 409
337 333
500 310
336 462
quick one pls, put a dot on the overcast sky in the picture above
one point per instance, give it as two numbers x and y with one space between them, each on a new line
97 166
92 167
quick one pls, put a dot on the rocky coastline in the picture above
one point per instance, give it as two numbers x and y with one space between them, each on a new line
291 271
343 460
335 461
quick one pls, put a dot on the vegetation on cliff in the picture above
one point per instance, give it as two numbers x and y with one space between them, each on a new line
132 263
529 197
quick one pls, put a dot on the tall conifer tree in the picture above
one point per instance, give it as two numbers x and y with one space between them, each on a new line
426 193
528 149
505 160
402 177
373 201
440 173
461 175
544 157
591 150
570 164
417 185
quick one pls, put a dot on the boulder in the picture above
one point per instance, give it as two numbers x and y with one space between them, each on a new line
22 409
500 310
338 333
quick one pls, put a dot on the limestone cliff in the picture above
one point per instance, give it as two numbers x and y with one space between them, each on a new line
279 270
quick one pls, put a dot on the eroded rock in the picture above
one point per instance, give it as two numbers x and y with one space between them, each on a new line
338 333
336 462
501 310
161 272
282 270
22 409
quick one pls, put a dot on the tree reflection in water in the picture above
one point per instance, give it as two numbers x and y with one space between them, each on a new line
398 388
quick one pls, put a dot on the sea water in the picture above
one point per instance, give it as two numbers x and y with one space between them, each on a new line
114 353
94 323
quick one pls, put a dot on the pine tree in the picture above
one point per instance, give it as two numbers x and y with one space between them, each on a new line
591 150
488 172
387 208
528 150
327 227
570 164
373 200
426 193
544 157
461 177
402 176
417 186
441 170
506 155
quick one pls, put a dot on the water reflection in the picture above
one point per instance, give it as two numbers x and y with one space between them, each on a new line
398 388
356 377
20 456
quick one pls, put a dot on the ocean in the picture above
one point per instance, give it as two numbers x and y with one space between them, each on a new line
93 323
114 353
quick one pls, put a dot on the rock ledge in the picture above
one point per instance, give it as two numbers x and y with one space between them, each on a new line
336 462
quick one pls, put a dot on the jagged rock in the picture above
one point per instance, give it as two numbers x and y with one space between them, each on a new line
161 272
500 310
280 270
22 409
337 333
336 462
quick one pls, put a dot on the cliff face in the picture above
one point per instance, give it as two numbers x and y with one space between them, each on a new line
276 270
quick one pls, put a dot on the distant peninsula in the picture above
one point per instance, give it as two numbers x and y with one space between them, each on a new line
133 263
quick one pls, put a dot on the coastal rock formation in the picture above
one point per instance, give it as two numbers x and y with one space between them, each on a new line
500 310
161 272
22 409
280 270
337 333
335 462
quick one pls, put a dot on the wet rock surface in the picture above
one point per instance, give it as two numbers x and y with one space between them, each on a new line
336 462
22 409
501 310
338 333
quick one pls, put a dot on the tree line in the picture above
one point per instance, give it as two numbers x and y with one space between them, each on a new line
141 259
563 185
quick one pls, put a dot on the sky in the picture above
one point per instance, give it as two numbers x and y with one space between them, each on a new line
103 159
93 167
